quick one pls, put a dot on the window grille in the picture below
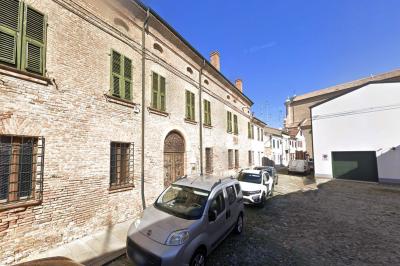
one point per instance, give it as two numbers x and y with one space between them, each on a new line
121 164
21 169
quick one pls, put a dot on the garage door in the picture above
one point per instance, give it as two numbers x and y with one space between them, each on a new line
355 165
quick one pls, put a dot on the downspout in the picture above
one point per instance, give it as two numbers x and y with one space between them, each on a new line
145 25
201 116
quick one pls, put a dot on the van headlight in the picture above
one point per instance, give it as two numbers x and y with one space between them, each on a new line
177 238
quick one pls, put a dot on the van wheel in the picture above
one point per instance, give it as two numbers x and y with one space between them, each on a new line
239 225
198 258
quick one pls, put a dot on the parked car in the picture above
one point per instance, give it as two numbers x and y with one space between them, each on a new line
187 222
271 171
256 186
299 166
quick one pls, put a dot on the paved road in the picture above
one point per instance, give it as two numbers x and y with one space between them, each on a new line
317 223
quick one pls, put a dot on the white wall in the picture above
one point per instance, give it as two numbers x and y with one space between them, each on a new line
367 119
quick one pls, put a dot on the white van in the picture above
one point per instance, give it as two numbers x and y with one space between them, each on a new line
299 166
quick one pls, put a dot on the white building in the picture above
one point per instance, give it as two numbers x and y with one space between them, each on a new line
356 136
274 145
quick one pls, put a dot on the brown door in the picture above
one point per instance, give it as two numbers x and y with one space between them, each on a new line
174 157
173 165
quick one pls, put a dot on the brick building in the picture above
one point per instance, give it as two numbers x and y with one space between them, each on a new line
71 118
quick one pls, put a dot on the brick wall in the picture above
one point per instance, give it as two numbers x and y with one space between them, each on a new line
78 122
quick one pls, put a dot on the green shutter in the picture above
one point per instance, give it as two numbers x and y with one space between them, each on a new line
229 122
154 97
187 103
192 107
10 26
127 78
162 94
116 78
235 124
34 40
207 113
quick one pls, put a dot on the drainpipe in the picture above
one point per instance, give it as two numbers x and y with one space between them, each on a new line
201 116
145 25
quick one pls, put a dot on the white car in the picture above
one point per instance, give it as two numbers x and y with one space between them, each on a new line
299 166
256 186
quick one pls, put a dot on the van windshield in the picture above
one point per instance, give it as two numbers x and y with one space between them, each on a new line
251 178
184 202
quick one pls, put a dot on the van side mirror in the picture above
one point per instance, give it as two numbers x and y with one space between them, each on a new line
212 216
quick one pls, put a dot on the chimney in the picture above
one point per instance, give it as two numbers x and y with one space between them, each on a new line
239 84
215 60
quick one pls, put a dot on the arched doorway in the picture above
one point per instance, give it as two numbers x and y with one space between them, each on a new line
174 157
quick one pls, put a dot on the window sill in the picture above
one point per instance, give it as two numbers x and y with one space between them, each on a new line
157 112
189 121
208 126
121 188
15 205
16 73
116 100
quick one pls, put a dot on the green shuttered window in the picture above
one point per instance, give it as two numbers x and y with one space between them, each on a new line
158 92
235 125
229 122
121 76
22 37
250 130
190 106
207 113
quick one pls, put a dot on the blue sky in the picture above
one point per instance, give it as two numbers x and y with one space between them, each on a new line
285 47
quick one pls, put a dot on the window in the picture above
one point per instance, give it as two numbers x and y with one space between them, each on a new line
250 130
190 70
258 134
235 125
209 160
273 144
21 169
158 92
237 186
218 204
207 113
121 76
230 159
229 122
262 134
206 82
22 37
230 191
236 159
121 165
251 158
190 103
158 47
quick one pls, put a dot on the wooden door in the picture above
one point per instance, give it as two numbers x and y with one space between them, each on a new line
174 158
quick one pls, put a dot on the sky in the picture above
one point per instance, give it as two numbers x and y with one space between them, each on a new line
282 48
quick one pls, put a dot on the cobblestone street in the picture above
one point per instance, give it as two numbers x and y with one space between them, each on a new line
340 223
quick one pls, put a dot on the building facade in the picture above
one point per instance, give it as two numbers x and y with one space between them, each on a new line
298 113
71 118
355 136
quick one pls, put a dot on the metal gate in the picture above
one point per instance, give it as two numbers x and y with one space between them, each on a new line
355 165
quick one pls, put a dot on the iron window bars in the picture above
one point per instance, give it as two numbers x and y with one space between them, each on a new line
21 169
121 165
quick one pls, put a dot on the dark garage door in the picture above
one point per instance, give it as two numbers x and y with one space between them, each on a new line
355 165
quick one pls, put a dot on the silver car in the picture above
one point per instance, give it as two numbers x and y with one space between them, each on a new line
187 222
